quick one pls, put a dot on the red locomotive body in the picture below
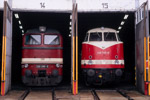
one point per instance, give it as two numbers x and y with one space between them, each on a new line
102 56
42 57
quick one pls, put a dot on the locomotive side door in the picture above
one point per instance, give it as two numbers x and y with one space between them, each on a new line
142 48
6 49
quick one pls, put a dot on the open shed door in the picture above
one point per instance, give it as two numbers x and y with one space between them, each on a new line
74 50
142 48
6 49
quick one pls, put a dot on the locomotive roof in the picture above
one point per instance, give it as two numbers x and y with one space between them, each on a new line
101 30
47 31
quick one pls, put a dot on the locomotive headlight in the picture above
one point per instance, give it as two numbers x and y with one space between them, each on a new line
57 65
90 62
116 56
26 65
42 28
116 62
90 57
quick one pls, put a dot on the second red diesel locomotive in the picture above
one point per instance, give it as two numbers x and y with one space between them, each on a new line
42 57
102 56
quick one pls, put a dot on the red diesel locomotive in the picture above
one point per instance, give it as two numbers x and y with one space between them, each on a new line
102 58
42 57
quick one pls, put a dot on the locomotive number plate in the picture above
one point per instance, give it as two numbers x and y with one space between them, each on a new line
41 66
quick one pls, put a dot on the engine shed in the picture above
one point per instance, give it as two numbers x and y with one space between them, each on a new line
73 18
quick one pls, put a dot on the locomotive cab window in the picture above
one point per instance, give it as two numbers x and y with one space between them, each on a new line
51 39
33 39
95 36
110 36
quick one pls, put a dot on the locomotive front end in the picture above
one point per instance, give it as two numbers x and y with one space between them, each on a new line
102 56
42 58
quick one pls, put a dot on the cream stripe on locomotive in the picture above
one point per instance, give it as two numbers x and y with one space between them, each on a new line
96 62
102 44
42 60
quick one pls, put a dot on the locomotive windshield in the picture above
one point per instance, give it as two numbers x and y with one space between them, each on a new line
51 39
95 36
110 36
33 39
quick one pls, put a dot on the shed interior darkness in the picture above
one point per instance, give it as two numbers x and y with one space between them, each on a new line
60 22
1 32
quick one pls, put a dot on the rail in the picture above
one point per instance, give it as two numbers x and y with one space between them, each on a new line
24 95
96 97
124 94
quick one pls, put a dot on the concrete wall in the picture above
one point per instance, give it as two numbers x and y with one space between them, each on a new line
1 4
42 5
106 5
66 5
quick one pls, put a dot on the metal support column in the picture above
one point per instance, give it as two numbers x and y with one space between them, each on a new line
6 50
74 50
146 50
142 49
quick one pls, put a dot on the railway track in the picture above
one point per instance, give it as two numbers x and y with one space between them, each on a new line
53 95
96 94
96 97
24 95
124 94
30 91
121 92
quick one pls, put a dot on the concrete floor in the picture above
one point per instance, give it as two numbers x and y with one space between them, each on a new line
12 95
39 95
67 95
110 95
137 96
